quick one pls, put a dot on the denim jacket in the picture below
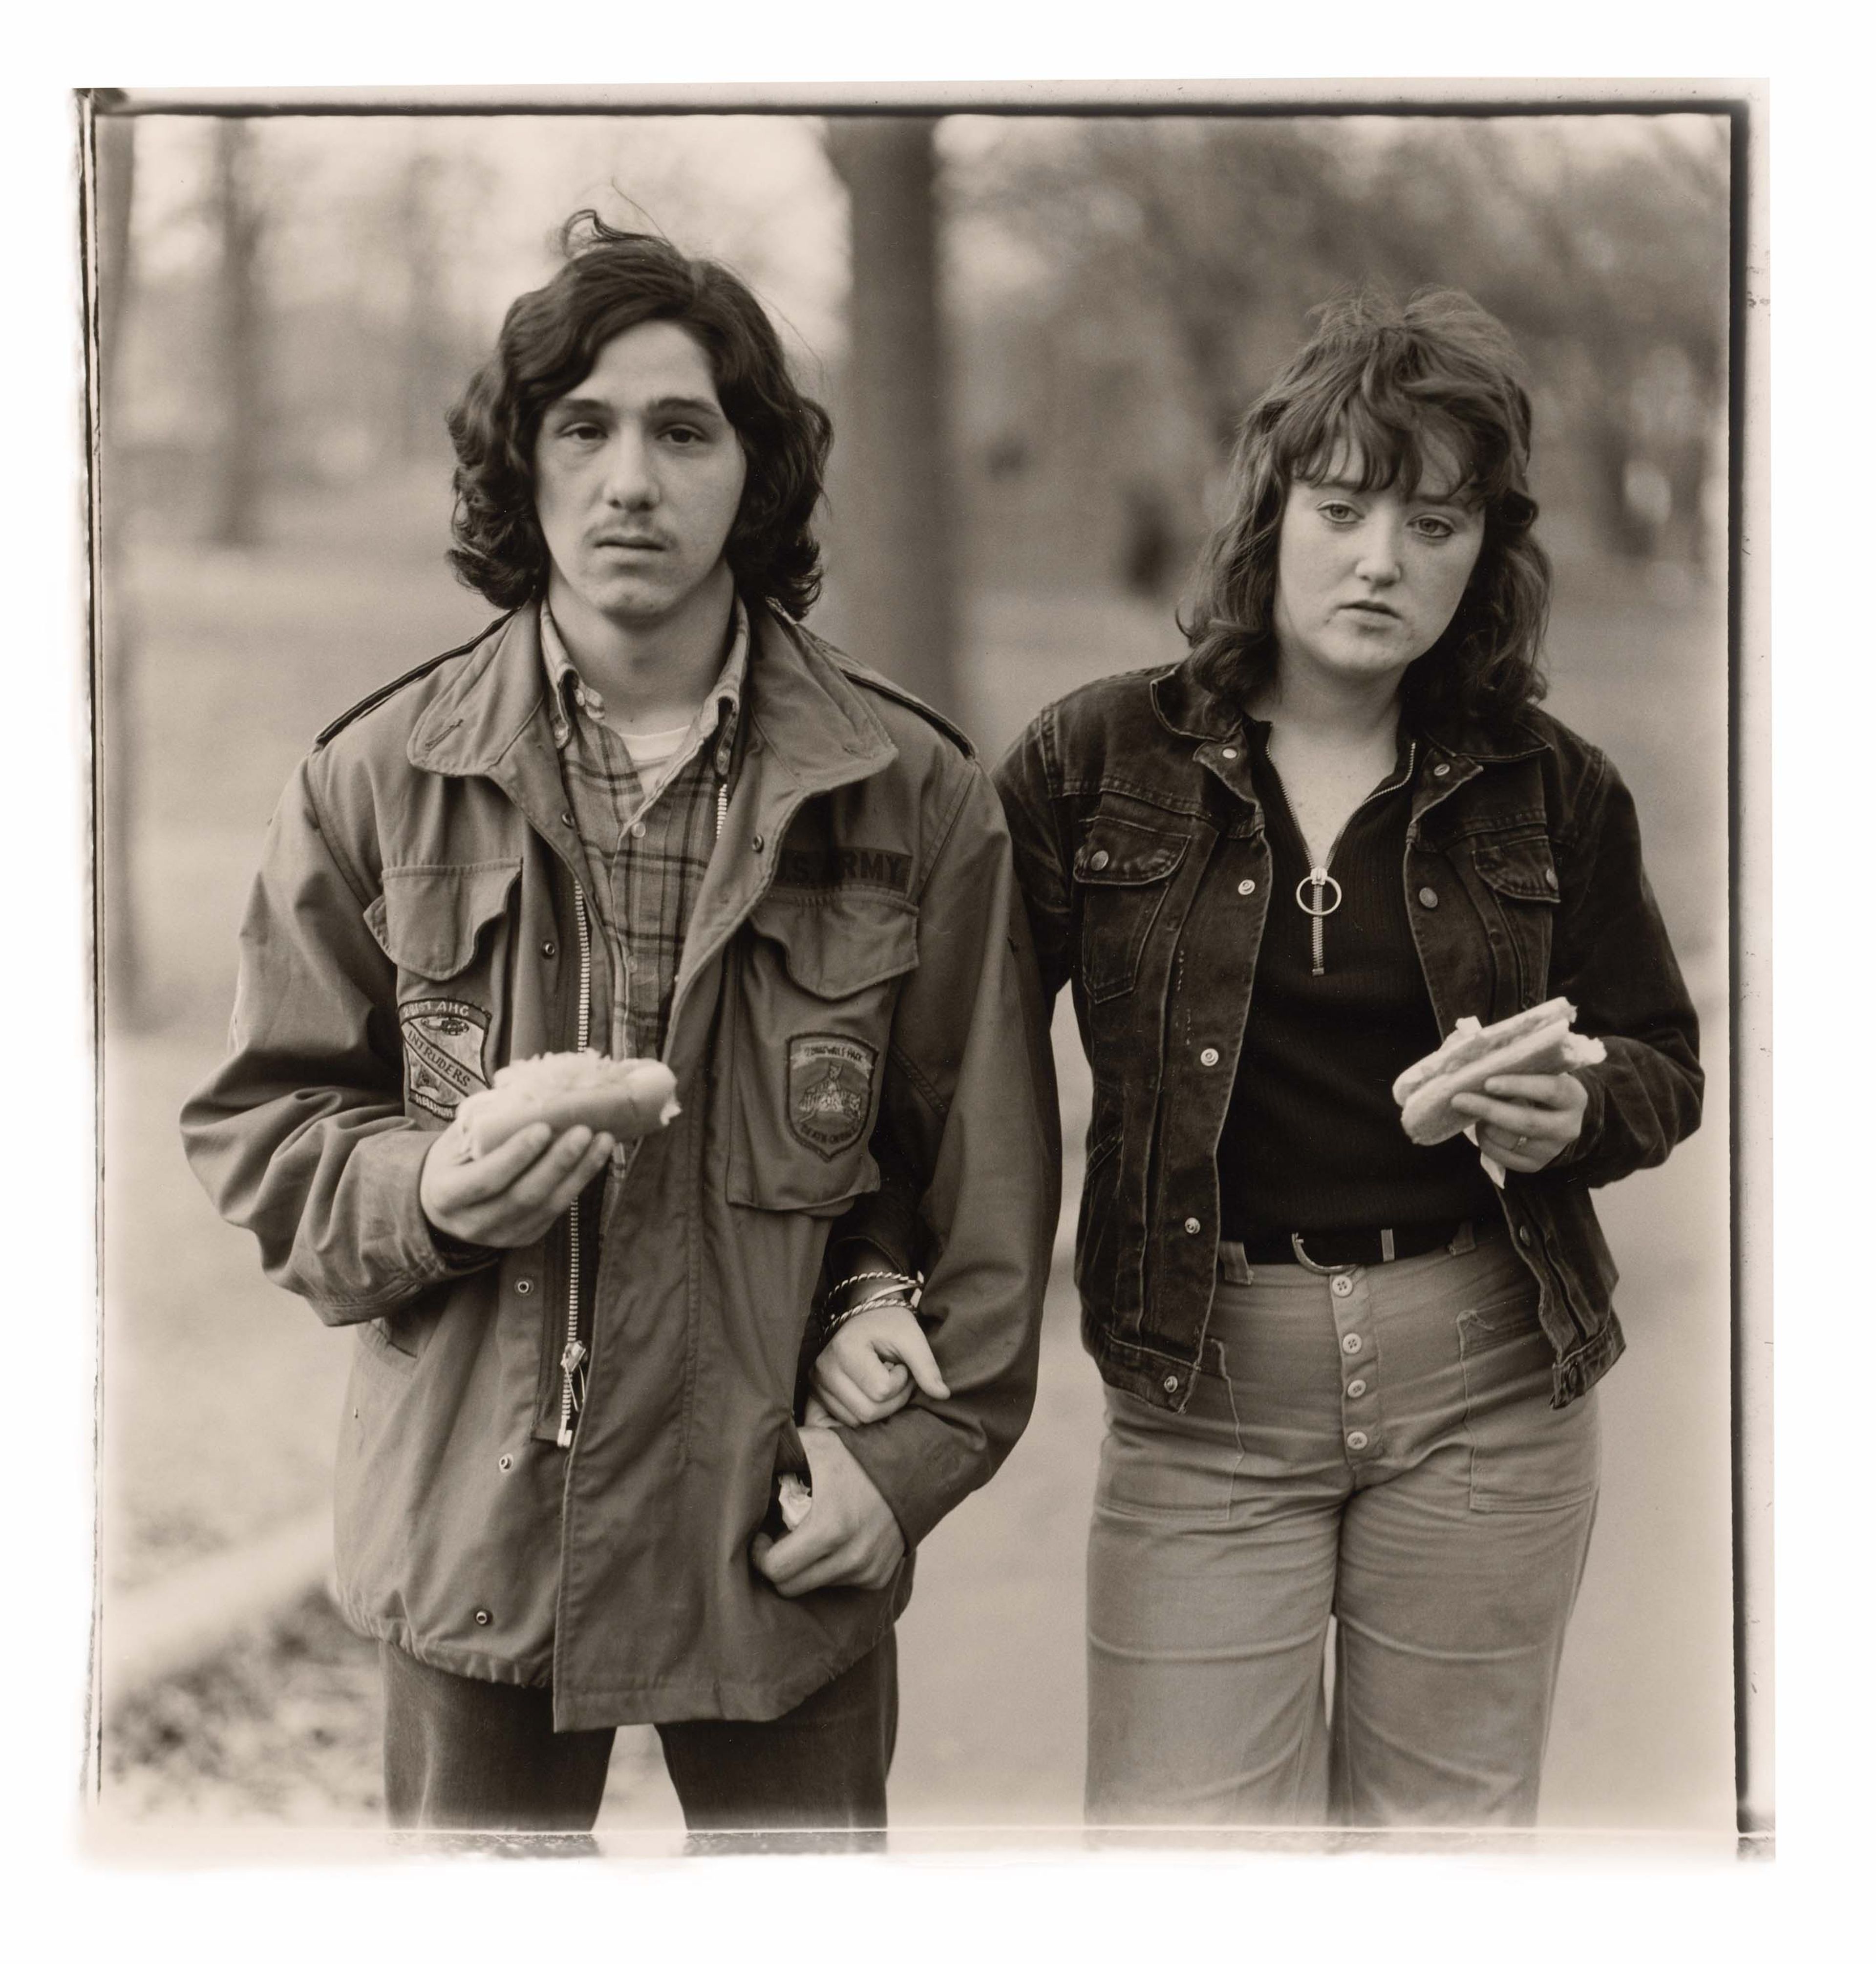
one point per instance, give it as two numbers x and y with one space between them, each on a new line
1142 852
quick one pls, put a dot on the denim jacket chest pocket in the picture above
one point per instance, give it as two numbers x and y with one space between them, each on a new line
1520 898
448 930
1121 872
814 981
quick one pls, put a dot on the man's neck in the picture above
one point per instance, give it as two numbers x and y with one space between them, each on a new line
651 675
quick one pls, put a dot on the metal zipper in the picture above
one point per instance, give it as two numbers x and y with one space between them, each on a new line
574 1352
1319 878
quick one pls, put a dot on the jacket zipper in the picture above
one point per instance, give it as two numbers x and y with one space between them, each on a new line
1319 878
574 1352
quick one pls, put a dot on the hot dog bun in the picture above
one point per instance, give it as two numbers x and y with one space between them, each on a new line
626 1096
1537 1040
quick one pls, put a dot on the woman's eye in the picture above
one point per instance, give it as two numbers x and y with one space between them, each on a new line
1430 527
1338 513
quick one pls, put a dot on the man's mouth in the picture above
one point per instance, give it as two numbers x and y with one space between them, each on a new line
630 542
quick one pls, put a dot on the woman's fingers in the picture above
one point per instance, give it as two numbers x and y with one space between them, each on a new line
1512 1119
1557 1089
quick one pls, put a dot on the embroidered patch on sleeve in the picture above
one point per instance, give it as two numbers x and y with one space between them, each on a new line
443 1045
830 1090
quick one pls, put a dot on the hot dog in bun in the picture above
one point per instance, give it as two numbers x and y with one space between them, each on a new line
1539 1040
626 1096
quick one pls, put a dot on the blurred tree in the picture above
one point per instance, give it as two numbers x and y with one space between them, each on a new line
1186 252
897 558
425 346
114 187
240 217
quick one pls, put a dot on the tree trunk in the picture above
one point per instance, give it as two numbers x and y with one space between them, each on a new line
897 570
234 518
114 708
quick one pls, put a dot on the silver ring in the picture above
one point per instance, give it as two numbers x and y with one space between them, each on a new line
1518 1144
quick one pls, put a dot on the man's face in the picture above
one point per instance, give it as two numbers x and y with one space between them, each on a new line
637 476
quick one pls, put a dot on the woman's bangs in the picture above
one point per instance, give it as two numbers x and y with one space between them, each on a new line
1370 448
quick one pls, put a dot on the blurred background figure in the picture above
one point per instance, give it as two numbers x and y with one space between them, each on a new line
1036 335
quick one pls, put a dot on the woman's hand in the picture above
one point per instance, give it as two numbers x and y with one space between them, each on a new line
513 1195
871 1365
1524 1122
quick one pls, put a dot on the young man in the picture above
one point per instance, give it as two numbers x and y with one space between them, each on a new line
646 813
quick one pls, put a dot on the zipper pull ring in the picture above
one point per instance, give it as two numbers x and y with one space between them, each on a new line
1317 880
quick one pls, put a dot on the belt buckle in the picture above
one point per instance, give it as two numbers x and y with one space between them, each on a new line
1316 1268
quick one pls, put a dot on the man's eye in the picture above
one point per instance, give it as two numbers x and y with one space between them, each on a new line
684 436
580 432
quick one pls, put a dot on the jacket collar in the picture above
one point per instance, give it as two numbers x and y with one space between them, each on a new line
493 718
1188 708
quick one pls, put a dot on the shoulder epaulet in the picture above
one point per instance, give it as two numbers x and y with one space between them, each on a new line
391 688
871 678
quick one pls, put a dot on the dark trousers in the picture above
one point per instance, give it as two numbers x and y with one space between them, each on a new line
460 1753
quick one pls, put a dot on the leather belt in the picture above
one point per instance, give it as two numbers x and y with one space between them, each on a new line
1350 1247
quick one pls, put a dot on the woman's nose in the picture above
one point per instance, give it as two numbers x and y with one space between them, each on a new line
1378 557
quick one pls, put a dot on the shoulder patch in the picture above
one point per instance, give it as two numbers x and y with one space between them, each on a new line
366 704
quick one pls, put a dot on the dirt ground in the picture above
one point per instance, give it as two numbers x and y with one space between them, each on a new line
221 1394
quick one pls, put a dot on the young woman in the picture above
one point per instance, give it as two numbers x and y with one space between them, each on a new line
1347 1375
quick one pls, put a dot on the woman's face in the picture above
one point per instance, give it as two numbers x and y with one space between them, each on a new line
1367 581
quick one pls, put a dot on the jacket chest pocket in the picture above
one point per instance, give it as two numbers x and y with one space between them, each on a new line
1520 880
447 930
1121 872
817 980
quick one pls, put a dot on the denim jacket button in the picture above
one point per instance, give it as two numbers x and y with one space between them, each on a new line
1096 861
1193 1223
1208 1056
1523 1237
1442 770
1246 885
1169 1383
1428 898
1549 878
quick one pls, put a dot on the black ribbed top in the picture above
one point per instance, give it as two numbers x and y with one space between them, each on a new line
1312 1138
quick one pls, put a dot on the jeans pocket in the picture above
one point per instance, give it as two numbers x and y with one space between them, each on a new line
1171 1466
1526 1456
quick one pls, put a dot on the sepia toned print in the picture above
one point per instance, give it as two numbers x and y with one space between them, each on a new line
1018 495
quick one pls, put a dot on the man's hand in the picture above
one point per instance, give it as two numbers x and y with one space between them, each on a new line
849 1536
513 1195
1525 1122
870 1365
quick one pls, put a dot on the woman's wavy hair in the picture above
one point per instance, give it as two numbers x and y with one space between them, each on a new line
550 338
1376 385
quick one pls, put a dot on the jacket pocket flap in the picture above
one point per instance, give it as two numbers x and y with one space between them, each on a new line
428 918
836 945
1521 869
1116 853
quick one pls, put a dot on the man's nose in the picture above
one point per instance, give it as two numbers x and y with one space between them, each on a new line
631 479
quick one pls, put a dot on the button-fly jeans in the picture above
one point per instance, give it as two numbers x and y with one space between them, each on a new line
1379 1446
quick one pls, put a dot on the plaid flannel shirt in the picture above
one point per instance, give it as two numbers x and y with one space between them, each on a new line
645 850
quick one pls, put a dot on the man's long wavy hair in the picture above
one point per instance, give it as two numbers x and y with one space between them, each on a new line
1378 385
613 280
